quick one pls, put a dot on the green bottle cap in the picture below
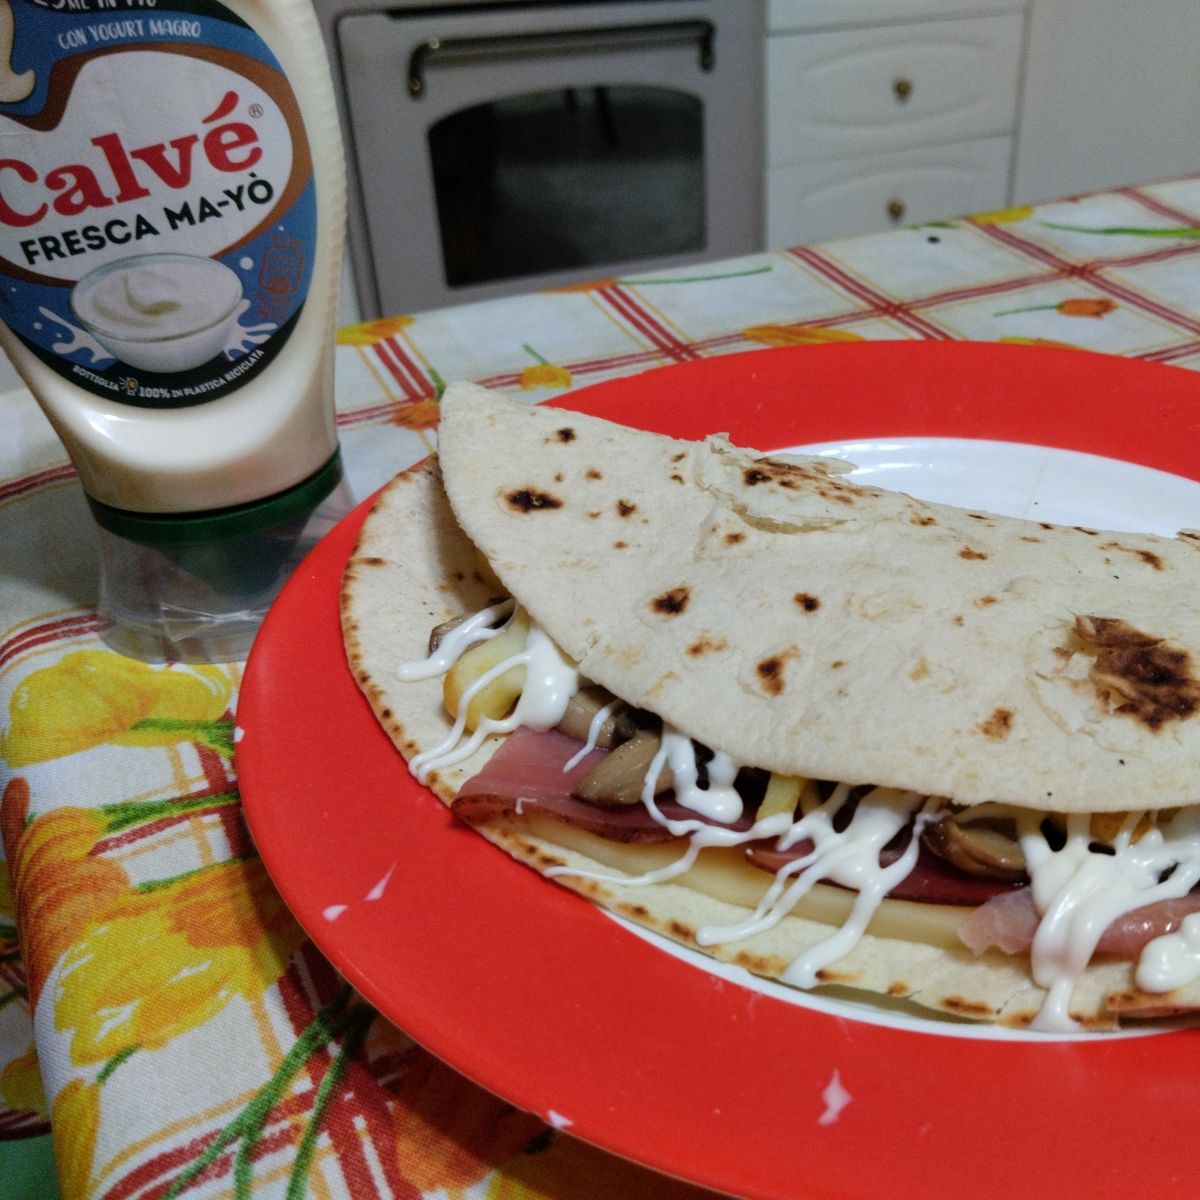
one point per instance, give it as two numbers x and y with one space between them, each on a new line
221 524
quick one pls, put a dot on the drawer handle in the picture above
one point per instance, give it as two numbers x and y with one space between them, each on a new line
895 210
903 89
448 51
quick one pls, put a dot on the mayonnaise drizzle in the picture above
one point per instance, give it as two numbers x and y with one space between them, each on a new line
551 679
850 857
1080 892
593 734
1172 960
478 627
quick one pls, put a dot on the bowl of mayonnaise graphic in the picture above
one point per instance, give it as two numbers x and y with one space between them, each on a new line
160 312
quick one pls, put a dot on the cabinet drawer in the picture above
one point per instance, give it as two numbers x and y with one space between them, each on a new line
864 91
842 197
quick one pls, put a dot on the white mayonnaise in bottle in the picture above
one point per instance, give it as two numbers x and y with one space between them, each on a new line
172 207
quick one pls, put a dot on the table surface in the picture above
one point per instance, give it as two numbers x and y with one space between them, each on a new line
163 1020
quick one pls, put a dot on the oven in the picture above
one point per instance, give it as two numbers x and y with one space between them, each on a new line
497 147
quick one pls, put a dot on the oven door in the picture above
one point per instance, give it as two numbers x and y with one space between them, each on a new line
509 149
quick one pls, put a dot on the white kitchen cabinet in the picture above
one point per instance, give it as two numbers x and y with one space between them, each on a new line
1111 96
898 122
830 198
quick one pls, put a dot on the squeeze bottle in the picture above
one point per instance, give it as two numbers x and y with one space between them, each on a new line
172 209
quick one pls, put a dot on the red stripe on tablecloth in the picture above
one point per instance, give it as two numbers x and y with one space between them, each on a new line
1155 205
880 304
240 843
403 368
215 768
1092 272
627 306
301 1007
29 483
16 1126
48 632
1170 353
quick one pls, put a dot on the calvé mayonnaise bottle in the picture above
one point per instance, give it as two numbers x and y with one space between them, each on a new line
172 208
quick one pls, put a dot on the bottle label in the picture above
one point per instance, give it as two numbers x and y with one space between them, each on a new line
158 213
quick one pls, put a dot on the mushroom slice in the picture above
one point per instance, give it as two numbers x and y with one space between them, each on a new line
583 709
618 780
980 840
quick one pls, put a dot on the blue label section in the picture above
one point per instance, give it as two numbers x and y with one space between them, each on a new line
158 210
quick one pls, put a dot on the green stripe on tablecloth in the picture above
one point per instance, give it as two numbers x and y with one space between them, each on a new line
27 1169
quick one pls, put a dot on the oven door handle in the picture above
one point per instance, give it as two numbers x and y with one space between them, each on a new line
446 51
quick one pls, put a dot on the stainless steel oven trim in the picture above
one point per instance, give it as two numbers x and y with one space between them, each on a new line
733 146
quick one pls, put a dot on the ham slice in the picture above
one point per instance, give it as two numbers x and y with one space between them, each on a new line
526 775
932 880
1009 922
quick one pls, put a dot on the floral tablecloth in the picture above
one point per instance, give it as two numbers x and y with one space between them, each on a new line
163 1019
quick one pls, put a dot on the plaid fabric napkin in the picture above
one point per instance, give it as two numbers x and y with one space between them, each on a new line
160 1010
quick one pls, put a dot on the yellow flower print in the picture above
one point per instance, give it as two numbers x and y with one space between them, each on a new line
167 959
1004 216
544 374
75 1117
367 333
1048 342
91 697
60 885
416 414
21 1085
797 335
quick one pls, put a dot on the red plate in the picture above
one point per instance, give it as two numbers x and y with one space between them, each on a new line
527 989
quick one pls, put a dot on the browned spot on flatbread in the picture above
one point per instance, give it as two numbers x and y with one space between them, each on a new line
679 457
673 602
899 989
772 671
706 644
373 561
733 538
1028 537
837 664
793 476
565 434
998 726
593 473
986 601
625 508
530 499
1084 529
620 545
680 930
971 554
807 601
828 975
1147 556
676 477
922 519
1142 675
967 1008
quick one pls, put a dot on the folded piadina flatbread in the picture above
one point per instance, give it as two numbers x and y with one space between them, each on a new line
827 732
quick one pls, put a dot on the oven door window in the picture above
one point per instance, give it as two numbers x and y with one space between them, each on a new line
568 178
511 147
